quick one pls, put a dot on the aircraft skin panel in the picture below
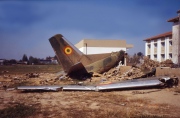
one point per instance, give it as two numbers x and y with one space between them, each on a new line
132 84
106 63
128 85
66 53
96 57
47 87
60 54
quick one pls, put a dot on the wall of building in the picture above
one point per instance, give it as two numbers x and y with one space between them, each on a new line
168 72
158 49
176 43
100 50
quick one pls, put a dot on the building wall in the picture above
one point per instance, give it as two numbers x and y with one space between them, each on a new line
91 46
158 49
176 43
100 50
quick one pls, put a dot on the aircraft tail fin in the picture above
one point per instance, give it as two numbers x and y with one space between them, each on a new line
67 54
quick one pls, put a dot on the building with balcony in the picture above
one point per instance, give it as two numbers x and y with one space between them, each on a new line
159 48
166 45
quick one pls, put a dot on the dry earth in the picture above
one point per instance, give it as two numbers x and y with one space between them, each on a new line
143 103
75 104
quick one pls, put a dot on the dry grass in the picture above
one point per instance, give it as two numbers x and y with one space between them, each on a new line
104 105
177 90
22 69
18 111
85 105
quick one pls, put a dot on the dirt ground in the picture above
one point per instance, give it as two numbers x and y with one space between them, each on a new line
142 103
128 103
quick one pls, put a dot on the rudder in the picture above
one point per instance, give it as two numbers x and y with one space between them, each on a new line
67 54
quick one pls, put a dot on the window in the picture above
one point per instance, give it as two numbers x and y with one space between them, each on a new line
162 44
155 45
162 57
170 56
170 43
155 56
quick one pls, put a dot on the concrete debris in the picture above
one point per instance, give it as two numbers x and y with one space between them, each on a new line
148 64
10 89
96 74
31 79
167 63
115 74
5 71
32 75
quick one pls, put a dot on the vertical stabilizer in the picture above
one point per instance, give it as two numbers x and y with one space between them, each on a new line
67 54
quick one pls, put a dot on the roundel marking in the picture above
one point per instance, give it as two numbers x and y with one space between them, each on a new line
68 50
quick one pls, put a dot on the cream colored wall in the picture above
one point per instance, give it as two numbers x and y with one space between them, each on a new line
100 50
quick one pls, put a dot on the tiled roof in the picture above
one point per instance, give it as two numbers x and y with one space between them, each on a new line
159 36
176 19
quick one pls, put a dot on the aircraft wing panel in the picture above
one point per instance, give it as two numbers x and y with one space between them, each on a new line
134 84
130 85
79 88
48 87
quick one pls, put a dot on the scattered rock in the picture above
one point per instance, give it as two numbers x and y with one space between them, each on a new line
96 74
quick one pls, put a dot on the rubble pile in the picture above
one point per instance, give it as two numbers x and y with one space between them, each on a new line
32 75
8 81
133 73
167 63
149 64
115 75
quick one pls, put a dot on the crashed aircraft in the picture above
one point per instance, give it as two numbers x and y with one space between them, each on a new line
76 64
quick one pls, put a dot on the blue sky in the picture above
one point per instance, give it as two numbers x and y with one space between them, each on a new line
26 26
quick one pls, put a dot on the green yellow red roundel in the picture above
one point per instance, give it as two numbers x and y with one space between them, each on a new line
68 50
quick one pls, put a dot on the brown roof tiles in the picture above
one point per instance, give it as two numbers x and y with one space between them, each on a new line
176 19
159 36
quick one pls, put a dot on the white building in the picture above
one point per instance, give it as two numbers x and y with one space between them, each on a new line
159 48
91 46
167 45
1 61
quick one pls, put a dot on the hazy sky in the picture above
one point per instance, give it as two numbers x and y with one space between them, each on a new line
26 26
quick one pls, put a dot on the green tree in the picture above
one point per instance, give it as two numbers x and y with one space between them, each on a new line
36 61
31 58
25 58
12 61
140 54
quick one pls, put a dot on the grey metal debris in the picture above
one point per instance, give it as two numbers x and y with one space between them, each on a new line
48 88
79 88
129 84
